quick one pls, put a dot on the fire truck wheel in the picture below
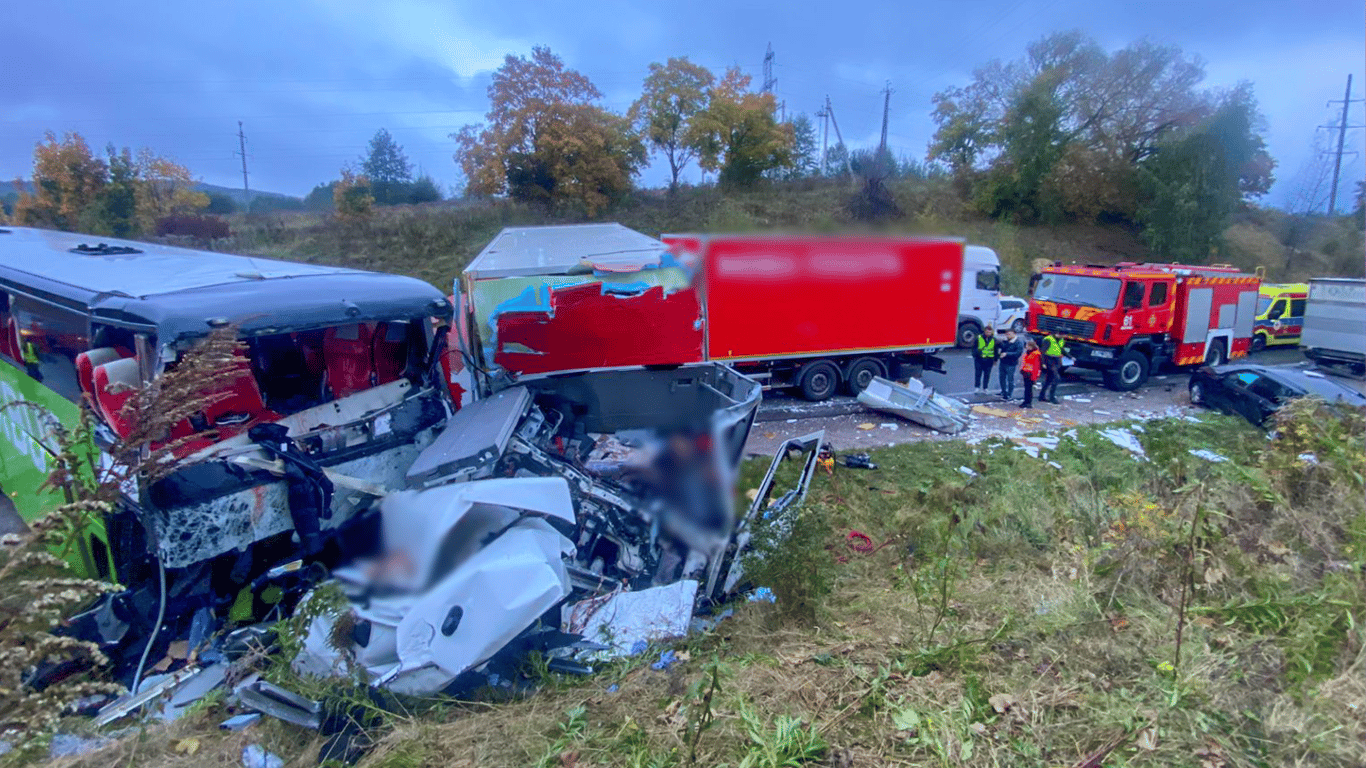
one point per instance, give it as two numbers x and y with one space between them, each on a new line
1217 354
1129 373
967 335
860 374
819 380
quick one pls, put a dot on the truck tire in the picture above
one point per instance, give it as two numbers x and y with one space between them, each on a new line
1129 373
860 373
818 380
1259 342
967 335
1218 353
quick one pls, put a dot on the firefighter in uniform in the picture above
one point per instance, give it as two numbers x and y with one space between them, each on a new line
31 360
1053 351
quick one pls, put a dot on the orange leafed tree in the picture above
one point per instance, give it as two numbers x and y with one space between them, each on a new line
67 179
546 140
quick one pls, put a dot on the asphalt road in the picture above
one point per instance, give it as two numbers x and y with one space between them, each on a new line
956 381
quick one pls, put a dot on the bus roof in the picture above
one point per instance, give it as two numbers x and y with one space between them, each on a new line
566 250
182 290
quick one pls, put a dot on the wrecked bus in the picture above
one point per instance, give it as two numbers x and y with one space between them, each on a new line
331 402
814 313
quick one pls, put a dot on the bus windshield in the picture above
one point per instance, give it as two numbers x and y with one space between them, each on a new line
1082 290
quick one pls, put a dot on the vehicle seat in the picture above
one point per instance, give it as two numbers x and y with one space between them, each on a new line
87 362
390 351
115 383
348 359
237 401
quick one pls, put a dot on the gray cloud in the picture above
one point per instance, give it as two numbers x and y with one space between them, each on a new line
313 80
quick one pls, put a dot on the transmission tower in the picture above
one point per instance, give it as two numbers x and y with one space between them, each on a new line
769 80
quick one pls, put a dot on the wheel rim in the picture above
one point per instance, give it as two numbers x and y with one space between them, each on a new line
820 381
1128 373
864 377
1017 326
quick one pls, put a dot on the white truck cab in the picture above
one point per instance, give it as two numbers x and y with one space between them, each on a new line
979 302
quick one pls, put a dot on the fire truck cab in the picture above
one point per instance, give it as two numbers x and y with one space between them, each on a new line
1128 319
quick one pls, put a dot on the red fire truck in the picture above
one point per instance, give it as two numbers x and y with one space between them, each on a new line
1128 319
815 313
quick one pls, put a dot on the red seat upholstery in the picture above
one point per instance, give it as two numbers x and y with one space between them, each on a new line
347 354
390 351
87 362
115 383
236 401
11 340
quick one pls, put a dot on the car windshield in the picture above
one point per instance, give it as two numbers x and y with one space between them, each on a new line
1263 304
1101 292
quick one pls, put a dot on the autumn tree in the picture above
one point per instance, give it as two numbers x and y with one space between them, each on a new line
804 160
351 196
546 140
1194 181
164 188
738 136
67 179
674 95
1062 131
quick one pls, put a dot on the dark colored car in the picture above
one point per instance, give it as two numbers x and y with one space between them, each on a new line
1255 392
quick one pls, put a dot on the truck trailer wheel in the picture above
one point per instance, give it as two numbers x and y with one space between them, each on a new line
967 335
860 374
819 380
1129 373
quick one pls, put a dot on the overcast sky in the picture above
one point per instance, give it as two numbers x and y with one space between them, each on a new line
312 80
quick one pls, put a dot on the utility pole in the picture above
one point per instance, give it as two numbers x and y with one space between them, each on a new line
1342 136
886 105
242 143
825 134
831 110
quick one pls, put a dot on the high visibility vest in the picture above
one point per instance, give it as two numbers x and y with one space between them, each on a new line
30 353
986 348
1053 346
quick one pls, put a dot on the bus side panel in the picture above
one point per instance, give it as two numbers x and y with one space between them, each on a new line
781 297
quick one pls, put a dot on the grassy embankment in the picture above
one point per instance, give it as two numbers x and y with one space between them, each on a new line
1169 612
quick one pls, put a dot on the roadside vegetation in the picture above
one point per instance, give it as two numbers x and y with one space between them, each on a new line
973 605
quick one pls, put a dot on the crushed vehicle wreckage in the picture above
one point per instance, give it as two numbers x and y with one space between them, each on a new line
532 509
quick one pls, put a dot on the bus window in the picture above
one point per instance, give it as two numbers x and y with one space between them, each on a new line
57 335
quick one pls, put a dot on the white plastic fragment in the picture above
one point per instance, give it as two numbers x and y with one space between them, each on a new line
1208 455
968 471
1124 439
1309 458
255 756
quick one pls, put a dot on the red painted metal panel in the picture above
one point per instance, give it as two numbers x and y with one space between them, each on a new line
771 297
587 328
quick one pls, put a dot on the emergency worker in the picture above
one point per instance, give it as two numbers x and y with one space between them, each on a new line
984 358
1053 349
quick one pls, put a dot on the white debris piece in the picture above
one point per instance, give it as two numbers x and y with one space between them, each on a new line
892 427
1055 465
1309 458
1048 442
624 620
1208 455
1100 412
1124 439
791 421
1192 419
1077 399
968 471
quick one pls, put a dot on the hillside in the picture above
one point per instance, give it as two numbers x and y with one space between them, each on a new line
435 241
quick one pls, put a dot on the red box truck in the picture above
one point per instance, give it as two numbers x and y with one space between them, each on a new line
818 313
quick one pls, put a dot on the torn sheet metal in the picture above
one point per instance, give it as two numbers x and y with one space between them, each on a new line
628 622
918 403
474 438
466 569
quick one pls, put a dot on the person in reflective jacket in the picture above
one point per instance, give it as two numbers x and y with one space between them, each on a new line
1053 351
984 357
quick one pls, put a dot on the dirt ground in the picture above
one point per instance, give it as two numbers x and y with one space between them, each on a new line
871 429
